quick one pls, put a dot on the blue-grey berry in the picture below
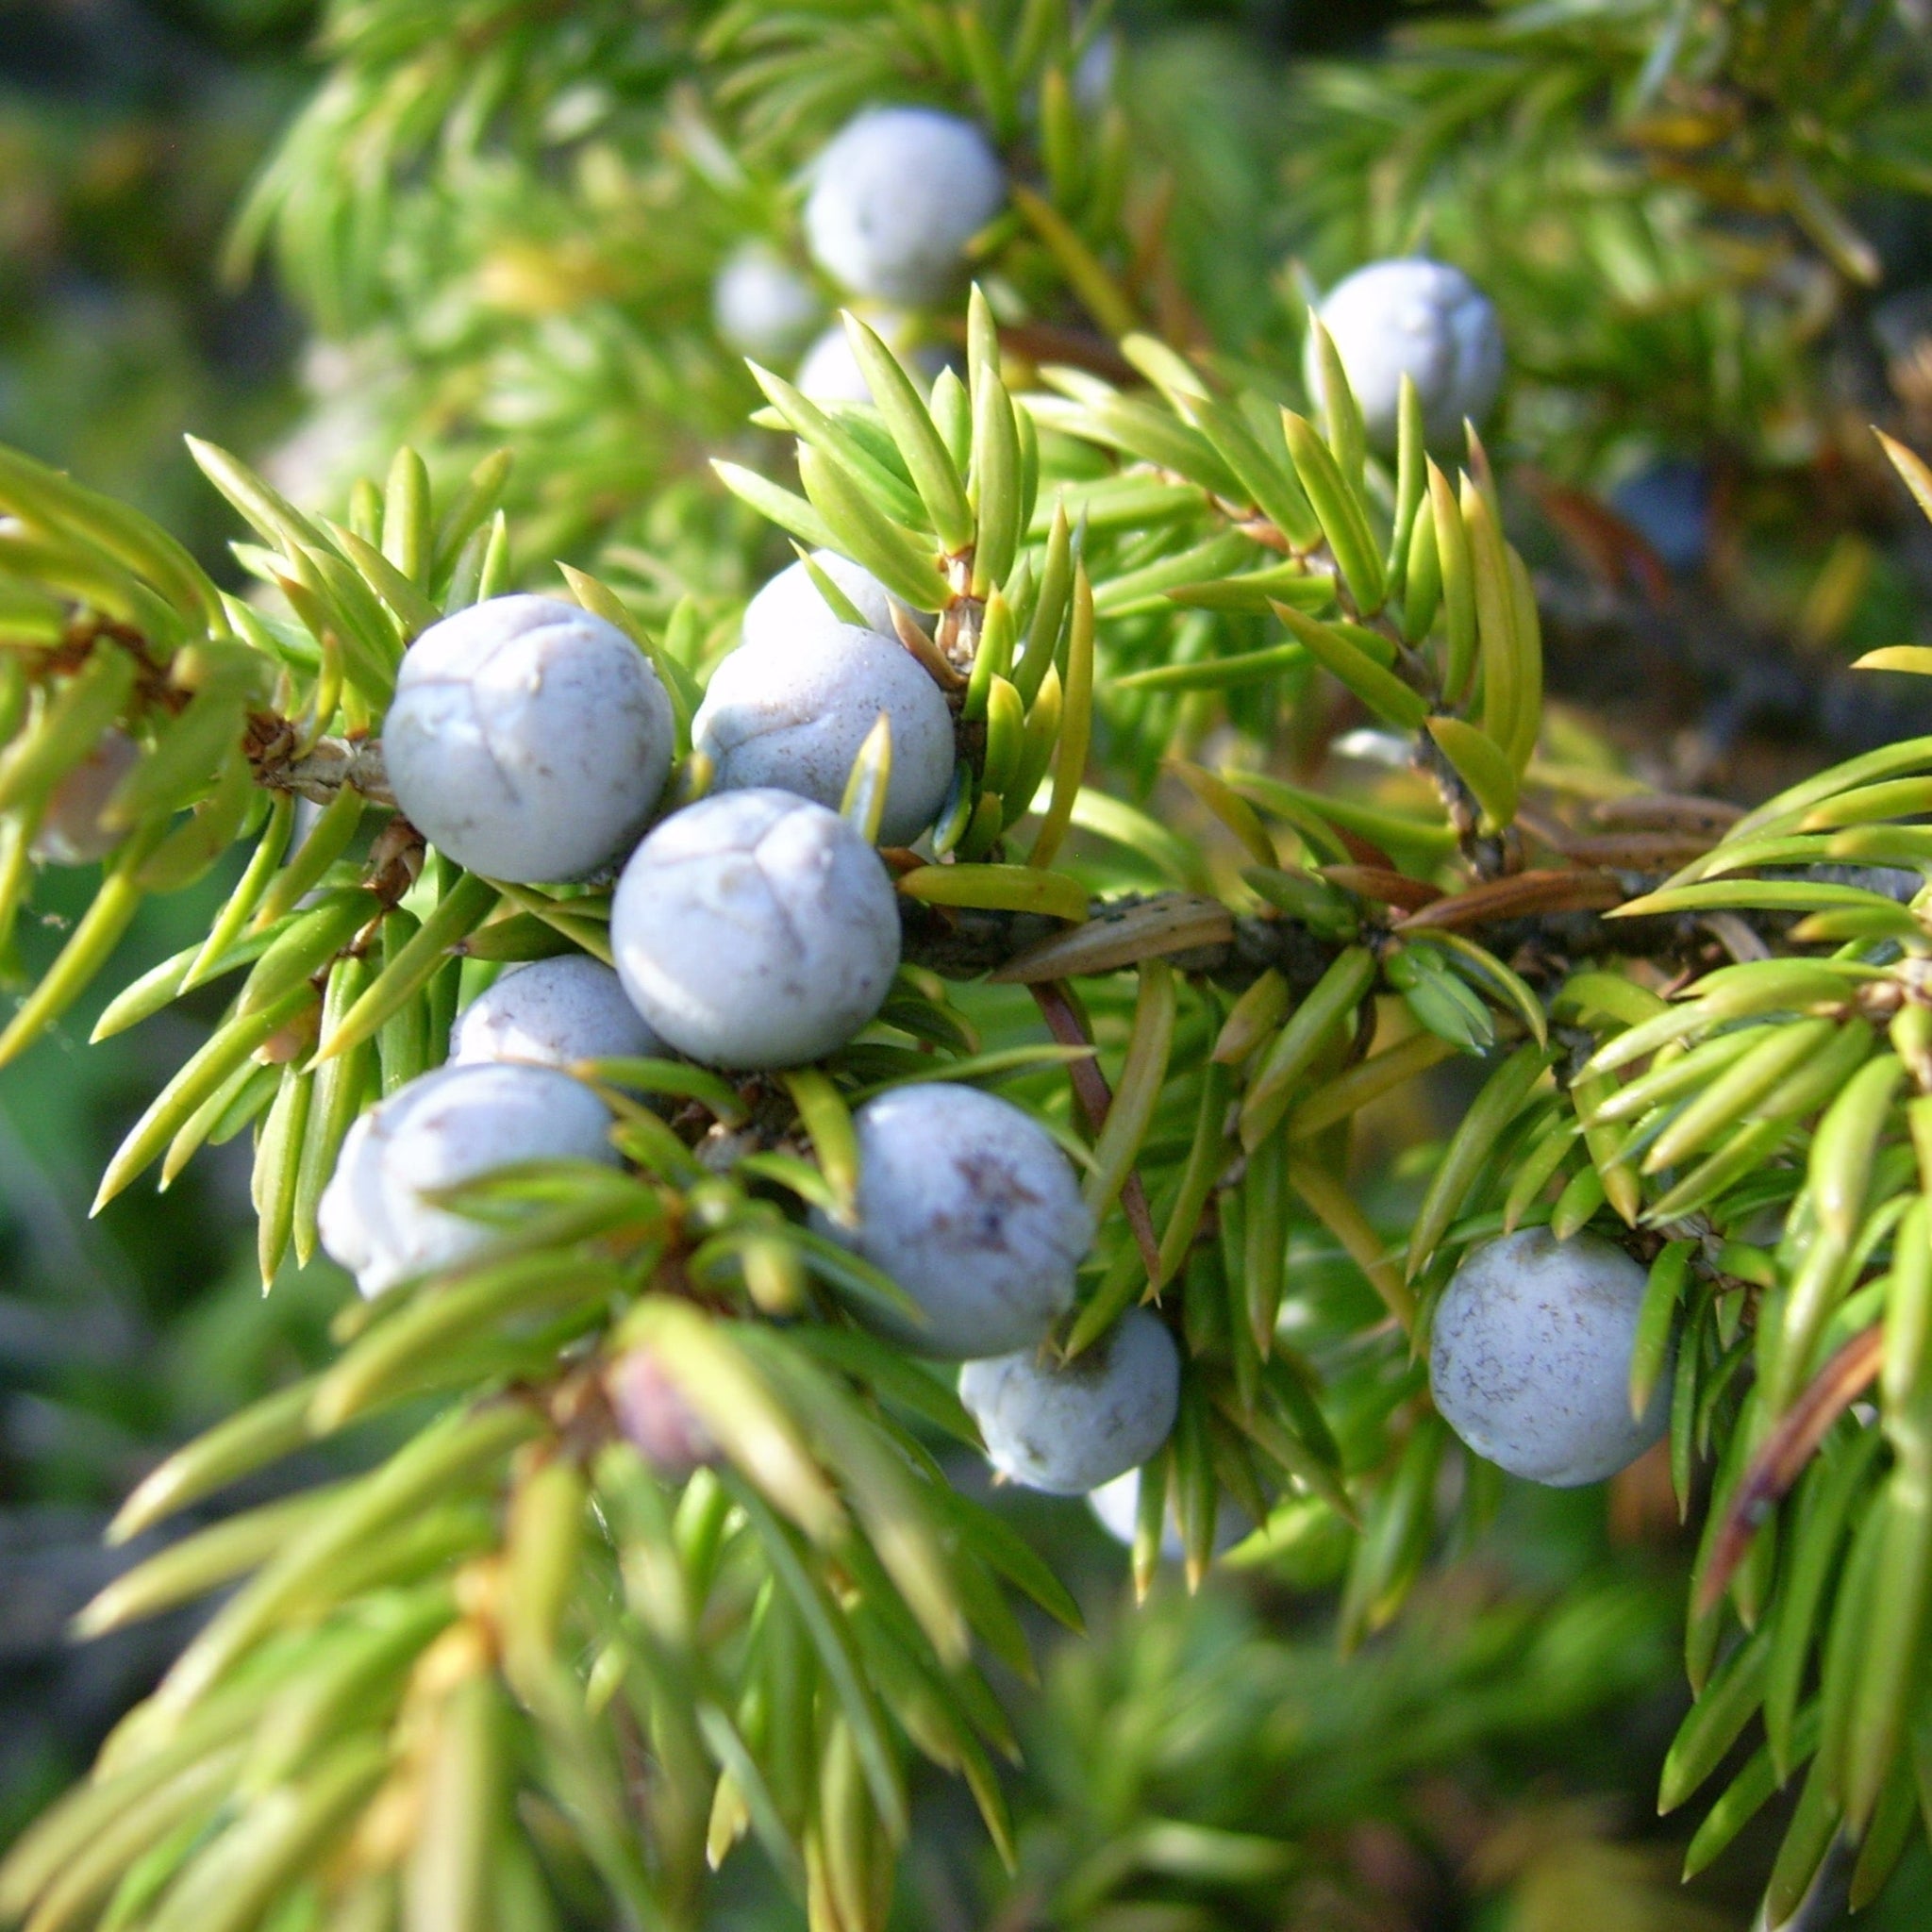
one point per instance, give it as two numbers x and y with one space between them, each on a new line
829 372
1069 1429
1669 503
968 1204
790 604
457 1123
1091 82
755 929
527 739
762 306
1529 1357
796 714
1117 1505
554 1013
1418 318
896 196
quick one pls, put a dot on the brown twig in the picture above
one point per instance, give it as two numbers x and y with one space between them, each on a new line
1044 343
1781 1459
1090 1090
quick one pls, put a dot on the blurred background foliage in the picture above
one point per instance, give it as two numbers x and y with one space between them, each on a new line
127 134
1706 232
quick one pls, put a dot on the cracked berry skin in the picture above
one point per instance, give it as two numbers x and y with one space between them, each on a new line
965 1200
755 930
795 714
70 831
1068 1430
896 195
455 1124
1421 318
527 739
1529 1357
553 1013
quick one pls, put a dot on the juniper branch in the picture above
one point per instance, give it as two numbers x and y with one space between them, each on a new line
322 770
969 942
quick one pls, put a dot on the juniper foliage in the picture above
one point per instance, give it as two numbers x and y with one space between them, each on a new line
509 1673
